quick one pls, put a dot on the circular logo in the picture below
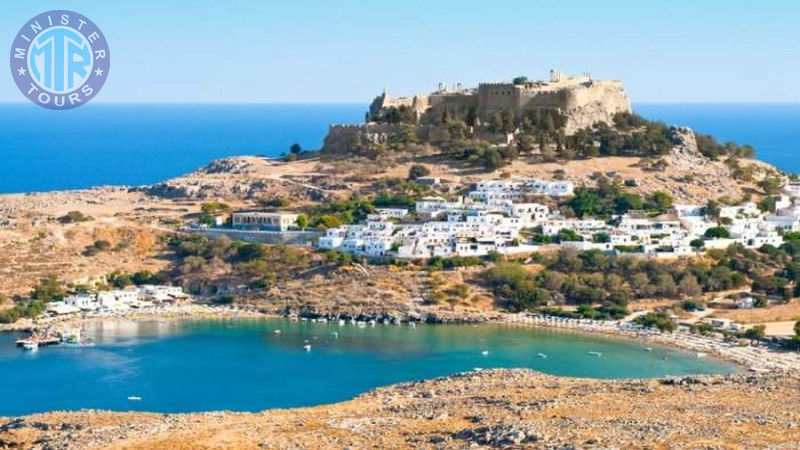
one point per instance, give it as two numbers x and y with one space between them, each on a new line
60 60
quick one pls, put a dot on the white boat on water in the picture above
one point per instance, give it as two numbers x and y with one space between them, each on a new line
541 355
31 346
307 347
593 353
485 353
134 398
648 349
701 355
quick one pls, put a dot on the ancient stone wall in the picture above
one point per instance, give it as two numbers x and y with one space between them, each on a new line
582 100
346 138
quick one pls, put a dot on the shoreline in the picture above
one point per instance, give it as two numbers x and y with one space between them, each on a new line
754 358
750 357
177 312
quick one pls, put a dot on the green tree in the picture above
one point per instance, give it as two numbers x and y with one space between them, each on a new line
658 320
567 234
626 202
74 217
712 209
495 123
689 287
771 185
493 160
417 171
659 201
49 289
755 333
717 233
214 207
302 221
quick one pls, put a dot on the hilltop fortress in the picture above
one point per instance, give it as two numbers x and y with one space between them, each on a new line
577 102
582 100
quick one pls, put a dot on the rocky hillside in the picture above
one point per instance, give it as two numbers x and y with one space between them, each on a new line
488 409
684 172
36 243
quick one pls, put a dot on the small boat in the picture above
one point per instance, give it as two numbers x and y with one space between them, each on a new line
541 355
134 398
648 349
336 334
485 353
701 355
342 322
307 347
593 353
277 332
31 346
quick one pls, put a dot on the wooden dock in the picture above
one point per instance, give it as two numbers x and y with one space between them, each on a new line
41 341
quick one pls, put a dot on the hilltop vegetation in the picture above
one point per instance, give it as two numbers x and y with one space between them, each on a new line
539 133
592 278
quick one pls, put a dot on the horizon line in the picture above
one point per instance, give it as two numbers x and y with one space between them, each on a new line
353 103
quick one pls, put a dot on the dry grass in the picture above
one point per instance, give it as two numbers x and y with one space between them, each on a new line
778 313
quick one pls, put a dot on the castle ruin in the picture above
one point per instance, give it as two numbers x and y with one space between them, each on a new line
579 102
582 100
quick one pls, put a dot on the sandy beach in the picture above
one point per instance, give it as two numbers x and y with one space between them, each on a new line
755 357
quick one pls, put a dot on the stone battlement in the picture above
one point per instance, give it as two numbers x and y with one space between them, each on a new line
582 100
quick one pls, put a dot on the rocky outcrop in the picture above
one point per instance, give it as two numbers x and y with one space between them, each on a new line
480 409
240 178
594 102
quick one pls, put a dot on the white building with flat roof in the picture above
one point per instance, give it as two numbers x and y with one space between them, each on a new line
264 221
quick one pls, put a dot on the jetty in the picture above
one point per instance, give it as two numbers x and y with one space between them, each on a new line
41 341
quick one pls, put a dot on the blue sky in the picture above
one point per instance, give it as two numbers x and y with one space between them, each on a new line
347 50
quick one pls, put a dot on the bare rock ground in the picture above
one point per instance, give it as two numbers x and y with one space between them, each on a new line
486 409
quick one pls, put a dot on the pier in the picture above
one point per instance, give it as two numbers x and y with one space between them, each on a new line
40 341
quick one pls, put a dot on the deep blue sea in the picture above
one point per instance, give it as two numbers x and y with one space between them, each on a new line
101 144
243 365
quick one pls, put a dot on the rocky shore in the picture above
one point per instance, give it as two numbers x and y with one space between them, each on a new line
482 409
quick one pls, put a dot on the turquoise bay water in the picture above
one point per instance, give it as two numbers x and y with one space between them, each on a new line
101 144
242 365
